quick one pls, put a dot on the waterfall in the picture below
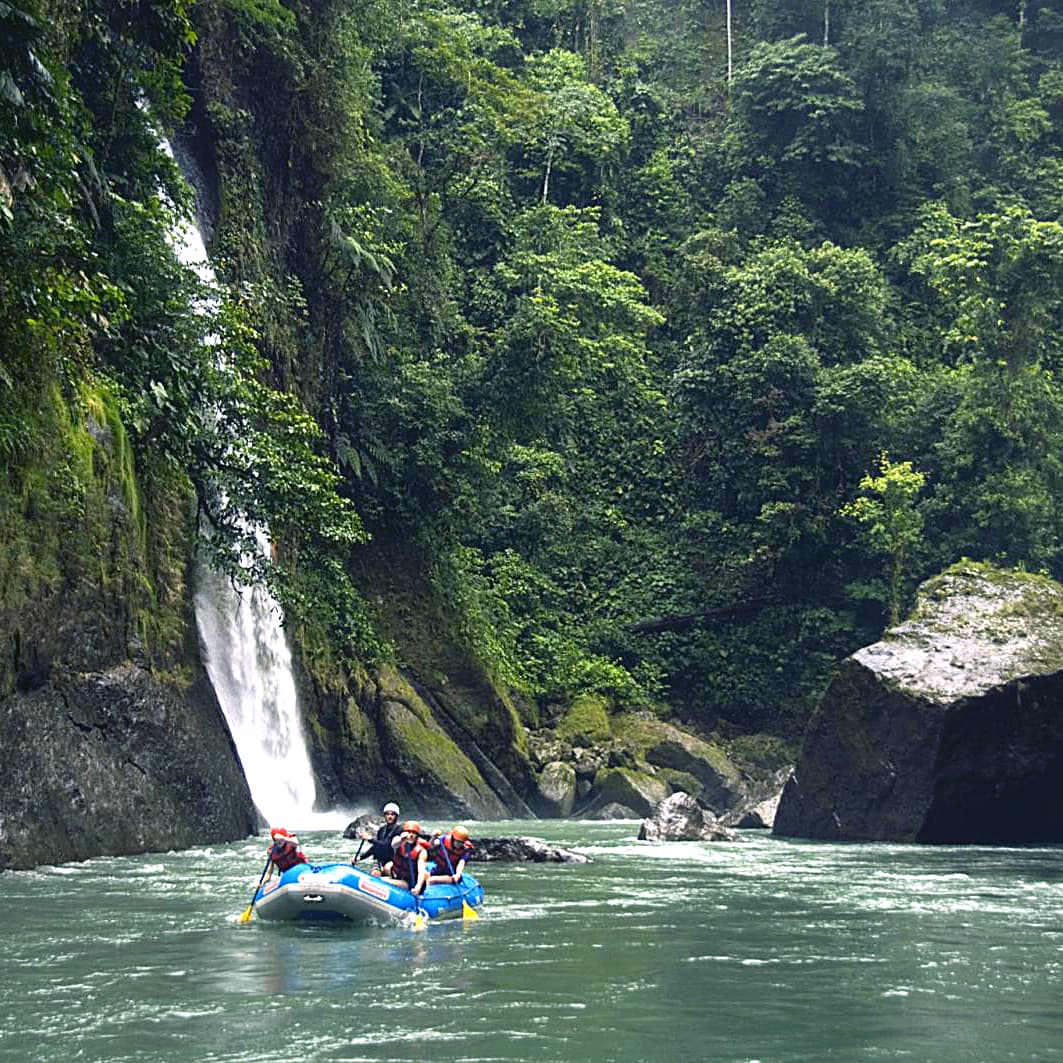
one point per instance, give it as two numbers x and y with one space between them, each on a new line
250 667
248 660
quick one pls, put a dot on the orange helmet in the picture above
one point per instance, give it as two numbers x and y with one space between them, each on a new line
460 834
411 826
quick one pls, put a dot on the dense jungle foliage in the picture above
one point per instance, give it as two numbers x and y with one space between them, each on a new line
670 343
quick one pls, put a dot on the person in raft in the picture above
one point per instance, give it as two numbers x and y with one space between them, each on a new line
449 851
408 866
380 846
285 853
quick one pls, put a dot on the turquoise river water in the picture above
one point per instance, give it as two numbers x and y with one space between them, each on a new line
758 950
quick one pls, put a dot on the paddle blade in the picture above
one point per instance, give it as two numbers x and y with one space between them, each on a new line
246 916
417 922
467 911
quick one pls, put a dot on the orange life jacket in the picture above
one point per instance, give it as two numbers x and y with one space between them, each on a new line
447 853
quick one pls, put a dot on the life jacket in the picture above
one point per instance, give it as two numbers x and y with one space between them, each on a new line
446 849
286 856
404 861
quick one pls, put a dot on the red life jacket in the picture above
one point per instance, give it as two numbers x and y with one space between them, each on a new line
444 849
286 856
404 862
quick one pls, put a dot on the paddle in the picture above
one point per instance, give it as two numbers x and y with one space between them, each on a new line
421 919
246 916
467 910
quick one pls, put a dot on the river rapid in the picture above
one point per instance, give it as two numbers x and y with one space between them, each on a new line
759 950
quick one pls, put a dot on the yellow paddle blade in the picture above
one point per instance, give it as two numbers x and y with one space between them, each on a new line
246 916
467 911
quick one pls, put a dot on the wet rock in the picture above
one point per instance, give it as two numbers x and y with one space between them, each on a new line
949 729
680 818
556 790
587 763
532 850
544 749
360 824
114 762
759 808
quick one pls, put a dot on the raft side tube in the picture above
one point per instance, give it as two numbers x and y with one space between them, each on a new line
330 892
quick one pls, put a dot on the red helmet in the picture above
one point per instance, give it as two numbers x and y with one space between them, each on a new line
411 826
281 836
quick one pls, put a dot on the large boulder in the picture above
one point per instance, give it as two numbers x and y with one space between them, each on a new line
116 762
556 790
420 751
633 789
439 734
664 746
112 739
680 818
948 730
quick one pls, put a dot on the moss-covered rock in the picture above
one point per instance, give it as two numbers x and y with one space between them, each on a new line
665 746
633 789
440 777
681 781
113 740
586 723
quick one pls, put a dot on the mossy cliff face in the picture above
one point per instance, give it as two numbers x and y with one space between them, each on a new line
375 737
112 736
435 733
948 730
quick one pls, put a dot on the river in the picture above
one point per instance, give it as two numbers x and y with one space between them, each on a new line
760 950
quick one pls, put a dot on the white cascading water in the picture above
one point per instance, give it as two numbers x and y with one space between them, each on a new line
249 662
250 667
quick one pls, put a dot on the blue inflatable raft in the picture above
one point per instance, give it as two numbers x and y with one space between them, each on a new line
340 891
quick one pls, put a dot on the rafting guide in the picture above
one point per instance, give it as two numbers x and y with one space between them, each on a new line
380 847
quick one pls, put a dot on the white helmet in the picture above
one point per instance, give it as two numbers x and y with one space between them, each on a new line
391 807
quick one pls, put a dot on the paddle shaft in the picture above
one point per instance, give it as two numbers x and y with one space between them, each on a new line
261 878
467 910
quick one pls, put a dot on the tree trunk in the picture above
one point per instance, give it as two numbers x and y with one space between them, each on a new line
730 47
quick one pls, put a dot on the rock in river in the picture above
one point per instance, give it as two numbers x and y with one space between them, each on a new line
680 818
531 850
948 730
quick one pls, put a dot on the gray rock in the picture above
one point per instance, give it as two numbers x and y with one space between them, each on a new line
556 790
611 811
531 850
759 809
623 786
949 729
721 781
115 762
680 818
360 824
